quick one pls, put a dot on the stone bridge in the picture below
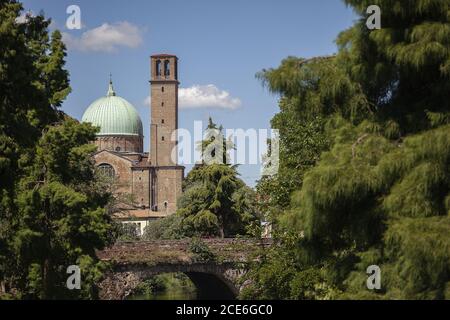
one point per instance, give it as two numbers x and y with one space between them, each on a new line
215 277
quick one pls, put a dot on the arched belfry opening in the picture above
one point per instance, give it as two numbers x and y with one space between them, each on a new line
166 68
158 68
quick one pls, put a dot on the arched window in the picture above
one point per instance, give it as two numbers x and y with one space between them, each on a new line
162 89
167 68
162 138
107 170
158 67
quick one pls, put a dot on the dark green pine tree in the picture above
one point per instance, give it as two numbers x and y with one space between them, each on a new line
215 147
216 202
62 215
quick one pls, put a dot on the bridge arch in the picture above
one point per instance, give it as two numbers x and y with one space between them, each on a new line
212 281
212 286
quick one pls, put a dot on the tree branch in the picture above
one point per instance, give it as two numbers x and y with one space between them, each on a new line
360 140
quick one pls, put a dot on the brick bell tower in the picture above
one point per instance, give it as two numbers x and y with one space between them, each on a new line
167 176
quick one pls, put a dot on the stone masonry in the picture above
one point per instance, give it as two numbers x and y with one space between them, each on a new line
152 180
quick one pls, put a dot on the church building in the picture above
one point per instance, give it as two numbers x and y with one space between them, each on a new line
151 180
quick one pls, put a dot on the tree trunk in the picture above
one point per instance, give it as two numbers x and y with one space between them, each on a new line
2 287
45 280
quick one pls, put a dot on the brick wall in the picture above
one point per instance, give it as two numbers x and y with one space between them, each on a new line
120 143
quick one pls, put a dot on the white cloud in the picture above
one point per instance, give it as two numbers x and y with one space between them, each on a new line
147 101
106 38
207 96
203 96
23 18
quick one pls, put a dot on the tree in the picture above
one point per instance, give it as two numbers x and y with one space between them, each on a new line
127 231
215 202
168 228
301 143
214 148
52 205
62 219
378 192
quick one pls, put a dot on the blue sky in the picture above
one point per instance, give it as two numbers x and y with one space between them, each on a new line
219 43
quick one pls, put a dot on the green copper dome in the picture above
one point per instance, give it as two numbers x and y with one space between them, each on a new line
114 115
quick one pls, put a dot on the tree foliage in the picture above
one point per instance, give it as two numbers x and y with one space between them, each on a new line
168 228
215 201
378 191
51 202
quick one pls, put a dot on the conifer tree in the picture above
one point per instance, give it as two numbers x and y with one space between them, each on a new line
215 201
378 193
51 205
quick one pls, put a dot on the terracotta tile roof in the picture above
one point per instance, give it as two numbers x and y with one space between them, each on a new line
139 213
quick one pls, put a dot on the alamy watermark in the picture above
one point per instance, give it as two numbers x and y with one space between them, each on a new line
374 20
74 19
374 279
74 280
250 146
